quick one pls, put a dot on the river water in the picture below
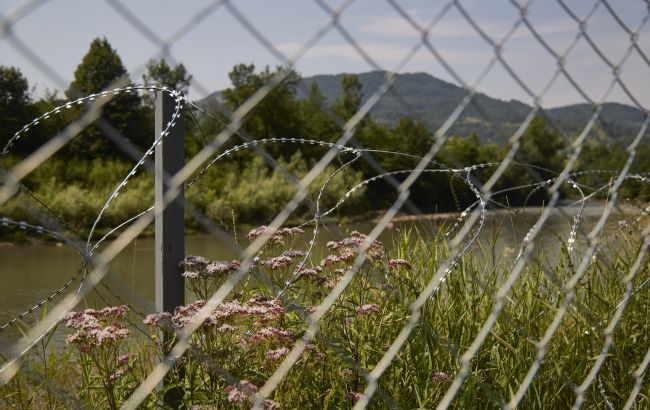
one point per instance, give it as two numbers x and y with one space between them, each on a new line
29 273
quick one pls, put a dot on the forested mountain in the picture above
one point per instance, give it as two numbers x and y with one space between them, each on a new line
431 100
423 97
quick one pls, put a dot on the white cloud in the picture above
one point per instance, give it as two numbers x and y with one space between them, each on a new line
391 26
457 27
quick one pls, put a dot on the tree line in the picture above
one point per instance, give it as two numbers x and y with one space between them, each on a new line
282 114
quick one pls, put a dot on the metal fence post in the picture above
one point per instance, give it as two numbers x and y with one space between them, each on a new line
169 225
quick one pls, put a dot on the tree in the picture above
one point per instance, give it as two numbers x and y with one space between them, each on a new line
277 115
16 108
161 73
318 124
100 68
350 100
542 146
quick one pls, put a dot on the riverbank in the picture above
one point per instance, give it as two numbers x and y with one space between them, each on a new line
256 333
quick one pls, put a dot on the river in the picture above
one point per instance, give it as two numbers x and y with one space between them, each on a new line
29 273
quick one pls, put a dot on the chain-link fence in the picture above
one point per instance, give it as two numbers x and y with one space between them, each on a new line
529 308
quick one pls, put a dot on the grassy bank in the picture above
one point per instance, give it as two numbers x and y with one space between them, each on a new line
245 338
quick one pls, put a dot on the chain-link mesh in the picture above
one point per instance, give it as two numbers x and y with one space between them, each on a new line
483 181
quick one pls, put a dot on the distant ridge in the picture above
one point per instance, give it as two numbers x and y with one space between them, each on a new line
432 101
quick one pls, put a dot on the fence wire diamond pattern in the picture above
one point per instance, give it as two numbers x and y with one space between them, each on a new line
563 298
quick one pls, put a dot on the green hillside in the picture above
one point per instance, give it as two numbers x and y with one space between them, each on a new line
423 97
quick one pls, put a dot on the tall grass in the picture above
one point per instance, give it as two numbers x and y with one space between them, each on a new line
247 336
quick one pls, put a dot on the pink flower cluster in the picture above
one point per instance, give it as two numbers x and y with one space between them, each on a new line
126 358
276 235
97 327
271 405
277 263
353 396
366 309
196 267
241 392
330 260
271 334
312 349
106 313
194 262
276 354
348 249
293 253
347 373
312 274
262 311
155 318
442 377
399 263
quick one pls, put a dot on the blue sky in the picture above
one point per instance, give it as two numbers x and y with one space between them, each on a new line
60 31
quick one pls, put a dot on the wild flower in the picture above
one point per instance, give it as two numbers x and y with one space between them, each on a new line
264 310
277 354
331 281
376 251
272 334
442 377
116 312
227 310
330 260
399 263
347 254
125 358
221 268
276 235
194 262
183 315
309 273
191 274
366 309
241 392
98 334
259 231
333 245
312 275
348 247
353 396
293 253
624 225
347 373
198 267
271 405
279 262
294 230
93 327
155 318
226 328
309 347
117 375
